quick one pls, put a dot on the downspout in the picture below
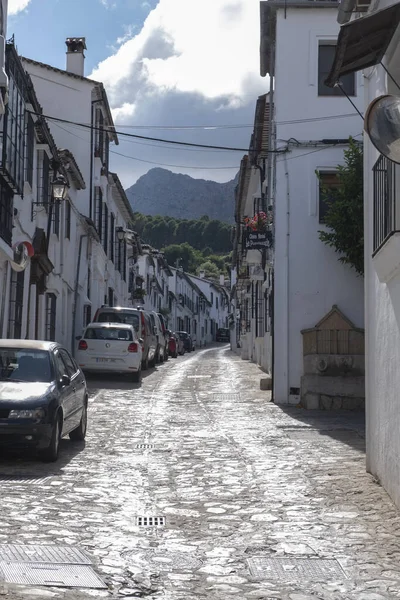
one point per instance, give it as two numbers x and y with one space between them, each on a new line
91 161
83 235
287 261
271 195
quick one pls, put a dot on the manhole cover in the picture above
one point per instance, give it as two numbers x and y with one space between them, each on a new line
144 446
150 521
295 569
19 478
226 397
43 554
51 575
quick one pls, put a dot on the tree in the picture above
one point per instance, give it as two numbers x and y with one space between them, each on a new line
210 269
345 214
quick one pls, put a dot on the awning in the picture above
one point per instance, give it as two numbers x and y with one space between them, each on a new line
362 43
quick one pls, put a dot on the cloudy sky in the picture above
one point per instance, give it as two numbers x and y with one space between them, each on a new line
175 69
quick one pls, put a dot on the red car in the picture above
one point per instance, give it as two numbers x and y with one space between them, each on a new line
175 345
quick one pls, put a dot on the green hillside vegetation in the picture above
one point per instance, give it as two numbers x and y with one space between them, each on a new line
201 234
196 245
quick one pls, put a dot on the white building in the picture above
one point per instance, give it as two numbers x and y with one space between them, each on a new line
69 95
310 124
381 229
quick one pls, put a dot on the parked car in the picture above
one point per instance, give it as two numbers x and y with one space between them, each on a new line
161 340
223 335
175 345
187 340
166 333
140 320
111 348
43 396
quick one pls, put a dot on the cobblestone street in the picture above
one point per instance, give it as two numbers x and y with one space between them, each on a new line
250 500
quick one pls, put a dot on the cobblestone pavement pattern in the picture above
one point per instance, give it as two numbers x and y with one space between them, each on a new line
237 479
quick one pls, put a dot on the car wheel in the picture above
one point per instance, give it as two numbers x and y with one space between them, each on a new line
79 434
50 454
175 355
152 362
137 376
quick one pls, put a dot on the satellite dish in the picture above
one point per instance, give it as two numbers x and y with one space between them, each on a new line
382 123
23 251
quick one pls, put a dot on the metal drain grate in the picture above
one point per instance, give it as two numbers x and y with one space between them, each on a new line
23 478
226 397
15 553
53 575
295 569
144 446
150 521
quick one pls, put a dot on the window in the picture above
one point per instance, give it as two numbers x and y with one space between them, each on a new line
112 237
67 224
51 302
6 211
43 180
60 365
68 361
216 301
30 147
212 299
16 301
327 181
98 211
99 144
56 217
105 227
326 54
87 315
124 262
14 124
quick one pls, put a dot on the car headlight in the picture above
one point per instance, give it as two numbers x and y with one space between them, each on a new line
35 414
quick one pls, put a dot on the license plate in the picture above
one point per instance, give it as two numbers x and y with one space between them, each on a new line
101 360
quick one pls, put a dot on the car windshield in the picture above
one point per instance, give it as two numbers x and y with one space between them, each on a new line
183 335
18 364
108 333
120 317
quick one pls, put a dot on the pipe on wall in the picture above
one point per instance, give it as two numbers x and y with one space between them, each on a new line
74 308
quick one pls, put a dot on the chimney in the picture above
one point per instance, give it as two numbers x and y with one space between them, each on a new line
202 274
75 55
222 279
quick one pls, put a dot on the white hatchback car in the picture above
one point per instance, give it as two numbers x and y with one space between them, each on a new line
112 348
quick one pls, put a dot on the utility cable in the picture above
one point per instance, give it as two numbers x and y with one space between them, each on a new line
140 137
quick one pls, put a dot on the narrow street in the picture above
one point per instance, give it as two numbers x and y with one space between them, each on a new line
250 500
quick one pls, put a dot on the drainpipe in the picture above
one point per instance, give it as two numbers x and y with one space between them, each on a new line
287 264
91 160
84 235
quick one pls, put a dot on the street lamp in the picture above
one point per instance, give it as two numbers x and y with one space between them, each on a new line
59 188
120 233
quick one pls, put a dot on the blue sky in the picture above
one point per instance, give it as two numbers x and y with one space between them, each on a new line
170 67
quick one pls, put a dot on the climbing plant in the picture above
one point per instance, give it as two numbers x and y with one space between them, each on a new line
345 213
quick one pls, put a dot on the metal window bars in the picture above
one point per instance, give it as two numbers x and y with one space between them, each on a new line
384 202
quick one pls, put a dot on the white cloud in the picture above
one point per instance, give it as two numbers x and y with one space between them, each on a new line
193 62
15 6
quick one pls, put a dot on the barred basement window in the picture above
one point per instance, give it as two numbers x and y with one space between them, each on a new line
51 303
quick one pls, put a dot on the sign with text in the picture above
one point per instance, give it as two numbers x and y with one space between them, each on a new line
257 240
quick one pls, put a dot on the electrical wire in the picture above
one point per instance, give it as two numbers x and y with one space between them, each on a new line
140 137
314 119
149 161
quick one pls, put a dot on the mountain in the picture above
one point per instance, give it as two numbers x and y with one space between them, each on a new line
161 192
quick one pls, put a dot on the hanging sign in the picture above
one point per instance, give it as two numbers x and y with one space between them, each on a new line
257 240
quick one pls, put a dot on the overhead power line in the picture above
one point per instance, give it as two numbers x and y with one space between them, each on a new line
168 165
142 137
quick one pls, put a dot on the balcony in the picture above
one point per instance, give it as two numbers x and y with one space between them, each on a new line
386 230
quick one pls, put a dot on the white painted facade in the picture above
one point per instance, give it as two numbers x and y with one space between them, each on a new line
103 270
309 279
382 291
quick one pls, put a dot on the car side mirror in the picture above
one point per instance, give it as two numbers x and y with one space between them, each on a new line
140 340
65 380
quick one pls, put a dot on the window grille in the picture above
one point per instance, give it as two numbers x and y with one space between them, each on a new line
384 173
51 303
98 211
112 238
6 211
87 315
30 148
16 302
124 261
105 227
67 220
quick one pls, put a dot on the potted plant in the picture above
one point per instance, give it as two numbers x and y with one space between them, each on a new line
259 222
